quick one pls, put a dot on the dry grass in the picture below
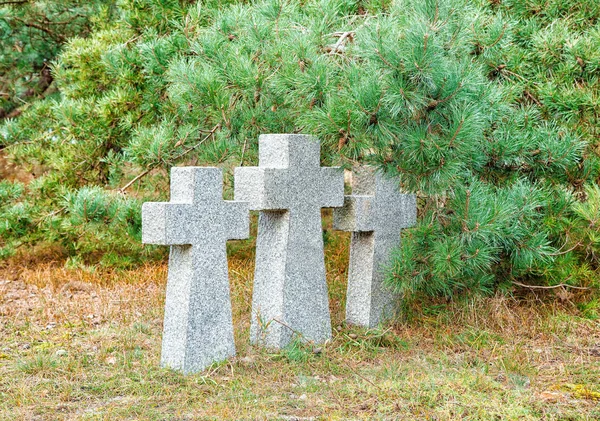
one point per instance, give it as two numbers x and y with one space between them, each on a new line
85 345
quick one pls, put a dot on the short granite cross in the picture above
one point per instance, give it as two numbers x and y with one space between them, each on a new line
196 223
289 187
376 213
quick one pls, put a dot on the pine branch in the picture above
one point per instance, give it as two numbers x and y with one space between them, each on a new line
52 34
497 40
126 186
533 98
466 216
181 155
458 129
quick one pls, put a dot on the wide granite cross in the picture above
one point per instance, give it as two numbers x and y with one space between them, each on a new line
289 187
196 223
375 213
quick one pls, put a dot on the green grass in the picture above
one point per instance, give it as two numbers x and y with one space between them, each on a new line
485 359
111 372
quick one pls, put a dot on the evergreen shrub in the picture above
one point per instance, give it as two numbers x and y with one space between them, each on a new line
420 89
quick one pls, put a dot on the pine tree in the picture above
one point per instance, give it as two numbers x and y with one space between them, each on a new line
31 35
550 61
407 86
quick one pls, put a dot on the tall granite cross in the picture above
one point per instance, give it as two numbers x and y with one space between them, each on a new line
196 223
289 187
376 213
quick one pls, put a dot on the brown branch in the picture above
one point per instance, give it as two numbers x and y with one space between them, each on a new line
181 155
64 22
383 59
6 3
360 375
458 129
534 99
558 253
210 133
504 70
339 45
59 37
243 151
467 201
12 145
435 102
294 331
498 39
548 287
126 186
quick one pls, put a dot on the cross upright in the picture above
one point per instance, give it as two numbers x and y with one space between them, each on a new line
289 187
375 213
196 223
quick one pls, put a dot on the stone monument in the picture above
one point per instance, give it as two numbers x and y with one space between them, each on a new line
289 188
196 223
375 213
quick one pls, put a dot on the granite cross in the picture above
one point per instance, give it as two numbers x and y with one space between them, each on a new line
376 213
289 187
196 223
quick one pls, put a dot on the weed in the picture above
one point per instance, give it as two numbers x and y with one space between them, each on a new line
297 351
41 365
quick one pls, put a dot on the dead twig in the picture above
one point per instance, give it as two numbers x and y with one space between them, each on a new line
339 45
360 375
549 286
531 97
559 253
295 332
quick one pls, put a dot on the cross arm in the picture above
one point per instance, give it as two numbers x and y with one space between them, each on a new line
357 214
262 188
408 204
164 224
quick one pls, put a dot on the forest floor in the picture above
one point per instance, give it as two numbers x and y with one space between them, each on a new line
85 345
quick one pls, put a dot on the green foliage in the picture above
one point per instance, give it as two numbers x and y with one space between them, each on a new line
455 100
15 216
98 222
586 227
31 35
549 56
297 351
